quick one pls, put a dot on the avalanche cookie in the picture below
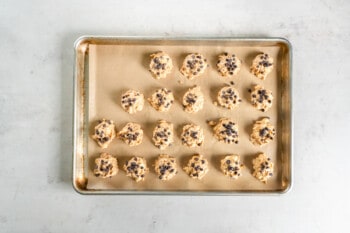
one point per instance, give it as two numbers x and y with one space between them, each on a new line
197 167
228 97
228 65
132 101
163 134
104 133
161 100
231 166
136 168
160 65
262 66
106 166
192 135
263 168
193 100
194 65
226 130
263 132
165 167
131 134
261 98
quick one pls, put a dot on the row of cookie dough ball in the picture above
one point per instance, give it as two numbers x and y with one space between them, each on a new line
195 64
197 167
132 101
225 130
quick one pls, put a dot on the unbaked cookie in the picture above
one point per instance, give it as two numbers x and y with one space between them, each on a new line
136 168
228 97
163 134
165 167
162 100
192 135
262 65
193 100
231 166
131 134
226 130
263 132
263 168
104 133
194 65
160 65
197 167
132 101
106 166
228 65
261 98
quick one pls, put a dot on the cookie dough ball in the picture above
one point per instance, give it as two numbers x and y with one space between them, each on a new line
131 134
104 133
197 167
226 130
263 168
228 65
228 97
106 166
165 167
193 100
136 168
161 100
263 132
194 65
163 134
160 65
231 166
261 98
132 101
262 66
192 135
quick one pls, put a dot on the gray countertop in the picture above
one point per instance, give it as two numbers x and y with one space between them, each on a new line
36 70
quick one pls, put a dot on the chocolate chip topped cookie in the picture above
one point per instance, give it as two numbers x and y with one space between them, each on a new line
165 167
136 168
160 65
197 167
261 98
194 65
163 134
263 132
193 100
228 97
231 166
192 135
225 130
263 167
162 100
131 134
106 166
104 133
262 65
228 65
132 101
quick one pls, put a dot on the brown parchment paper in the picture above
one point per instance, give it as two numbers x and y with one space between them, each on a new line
116 68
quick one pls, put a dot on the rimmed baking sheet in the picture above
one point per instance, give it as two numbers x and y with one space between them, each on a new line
108 66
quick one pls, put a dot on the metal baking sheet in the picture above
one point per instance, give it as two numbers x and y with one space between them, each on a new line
107 66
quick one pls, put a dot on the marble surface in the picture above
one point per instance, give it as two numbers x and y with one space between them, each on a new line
36 69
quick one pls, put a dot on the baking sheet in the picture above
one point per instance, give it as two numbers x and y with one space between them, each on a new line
115 66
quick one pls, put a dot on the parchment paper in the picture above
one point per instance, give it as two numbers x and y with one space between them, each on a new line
114 69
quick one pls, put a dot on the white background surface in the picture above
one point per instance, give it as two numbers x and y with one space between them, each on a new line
36 54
